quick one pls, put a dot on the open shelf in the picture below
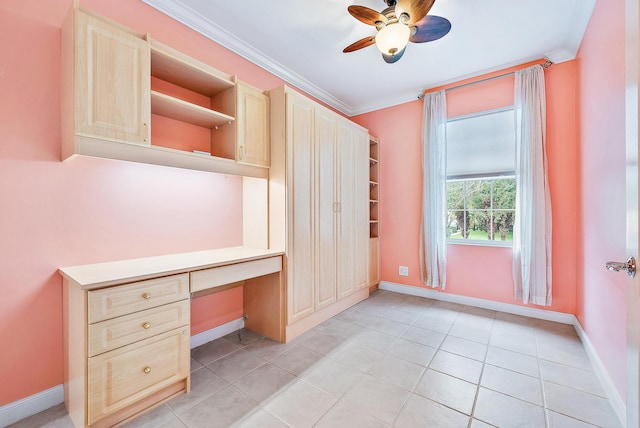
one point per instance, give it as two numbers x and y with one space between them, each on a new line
193 104
174 108
172 66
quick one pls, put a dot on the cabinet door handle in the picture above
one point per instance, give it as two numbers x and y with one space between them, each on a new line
241 152
147 370
146 296
146 325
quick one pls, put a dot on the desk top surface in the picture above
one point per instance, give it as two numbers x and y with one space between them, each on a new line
123 271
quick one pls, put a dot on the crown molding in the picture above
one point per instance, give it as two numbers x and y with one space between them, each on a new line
187 16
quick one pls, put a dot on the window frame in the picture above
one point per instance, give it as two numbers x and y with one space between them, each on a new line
498 175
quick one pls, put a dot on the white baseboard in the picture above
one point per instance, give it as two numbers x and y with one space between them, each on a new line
31 405
619 406
216 332
43 400
480 303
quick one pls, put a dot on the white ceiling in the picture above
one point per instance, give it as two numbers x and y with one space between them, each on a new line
301 41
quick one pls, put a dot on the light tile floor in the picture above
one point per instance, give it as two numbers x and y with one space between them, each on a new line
392 360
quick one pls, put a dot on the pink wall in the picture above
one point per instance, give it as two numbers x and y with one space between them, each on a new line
475 271
90 210
601 296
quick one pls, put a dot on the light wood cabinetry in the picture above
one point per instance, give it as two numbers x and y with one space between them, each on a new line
252 136
318 207
374 209
126 347
187 93
124 376
105 83
128 97
126 325
298 158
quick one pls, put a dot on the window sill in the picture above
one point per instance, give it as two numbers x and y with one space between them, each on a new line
502 244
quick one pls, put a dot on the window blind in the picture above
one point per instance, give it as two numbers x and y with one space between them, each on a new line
481 145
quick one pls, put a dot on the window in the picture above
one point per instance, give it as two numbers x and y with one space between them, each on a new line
481 188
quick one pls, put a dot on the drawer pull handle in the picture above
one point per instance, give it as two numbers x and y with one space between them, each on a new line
146 296
146 325
147 370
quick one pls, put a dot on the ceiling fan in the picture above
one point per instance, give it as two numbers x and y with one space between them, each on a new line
403 21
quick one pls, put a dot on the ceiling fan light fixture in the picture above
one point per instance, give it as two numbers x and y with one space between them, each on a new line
393 38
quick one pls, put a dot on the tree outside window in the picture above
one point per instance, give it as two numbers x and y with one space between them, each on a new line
482 210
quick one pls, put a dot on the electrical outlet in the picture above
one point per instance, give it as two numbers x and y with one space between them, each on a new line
403 270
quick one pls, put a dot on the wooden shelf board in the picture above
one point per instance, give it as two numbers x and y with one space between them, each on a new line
174 67
89 146
174 108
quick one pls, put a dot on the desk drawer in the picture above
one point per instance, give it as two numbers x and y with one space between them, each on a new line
128 298
214 277
123 376
117 332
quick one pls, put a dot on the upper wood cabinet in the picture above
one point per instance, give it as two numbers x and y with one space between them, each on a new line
252 137
105 83
128 97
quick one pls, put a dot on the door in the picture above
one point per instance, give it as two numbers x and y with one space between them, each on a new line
346 207
633 289
113 75
300 207
325 149
253 126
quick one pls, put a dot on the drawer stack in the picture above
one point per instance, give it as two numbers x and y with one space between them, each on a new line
137 347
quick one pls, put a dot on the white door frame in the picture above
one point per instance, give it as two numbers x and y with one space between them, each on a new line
632 58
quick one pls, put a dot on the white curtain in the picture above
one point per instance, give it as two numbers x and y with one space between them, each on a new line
532 228
433 257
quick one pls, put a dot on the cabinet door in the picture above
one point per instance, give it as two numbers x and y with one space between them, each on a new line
252 117
300 207
347 206
326 221
353 236
374 261
112 82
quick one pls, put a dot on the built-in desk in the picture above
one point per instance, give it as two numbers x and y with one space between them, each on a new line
127 325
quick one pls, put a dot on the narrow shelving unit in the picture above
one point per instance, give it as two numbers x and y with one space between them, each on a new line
374 210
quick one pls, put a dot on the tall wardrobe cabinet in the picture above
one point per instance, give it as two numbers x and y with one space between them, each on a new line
318 207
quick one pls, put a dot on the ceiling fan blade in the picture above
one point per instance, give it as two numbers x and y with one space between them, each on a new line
416 9
390 59
430 28
366 15
362 43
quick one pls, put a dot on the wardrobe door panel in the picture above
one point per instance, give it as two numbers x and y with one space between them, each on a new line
325 143
300 263
347 202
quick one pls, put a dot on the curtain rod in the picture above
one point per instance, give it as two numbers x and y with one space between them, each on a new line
545 65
